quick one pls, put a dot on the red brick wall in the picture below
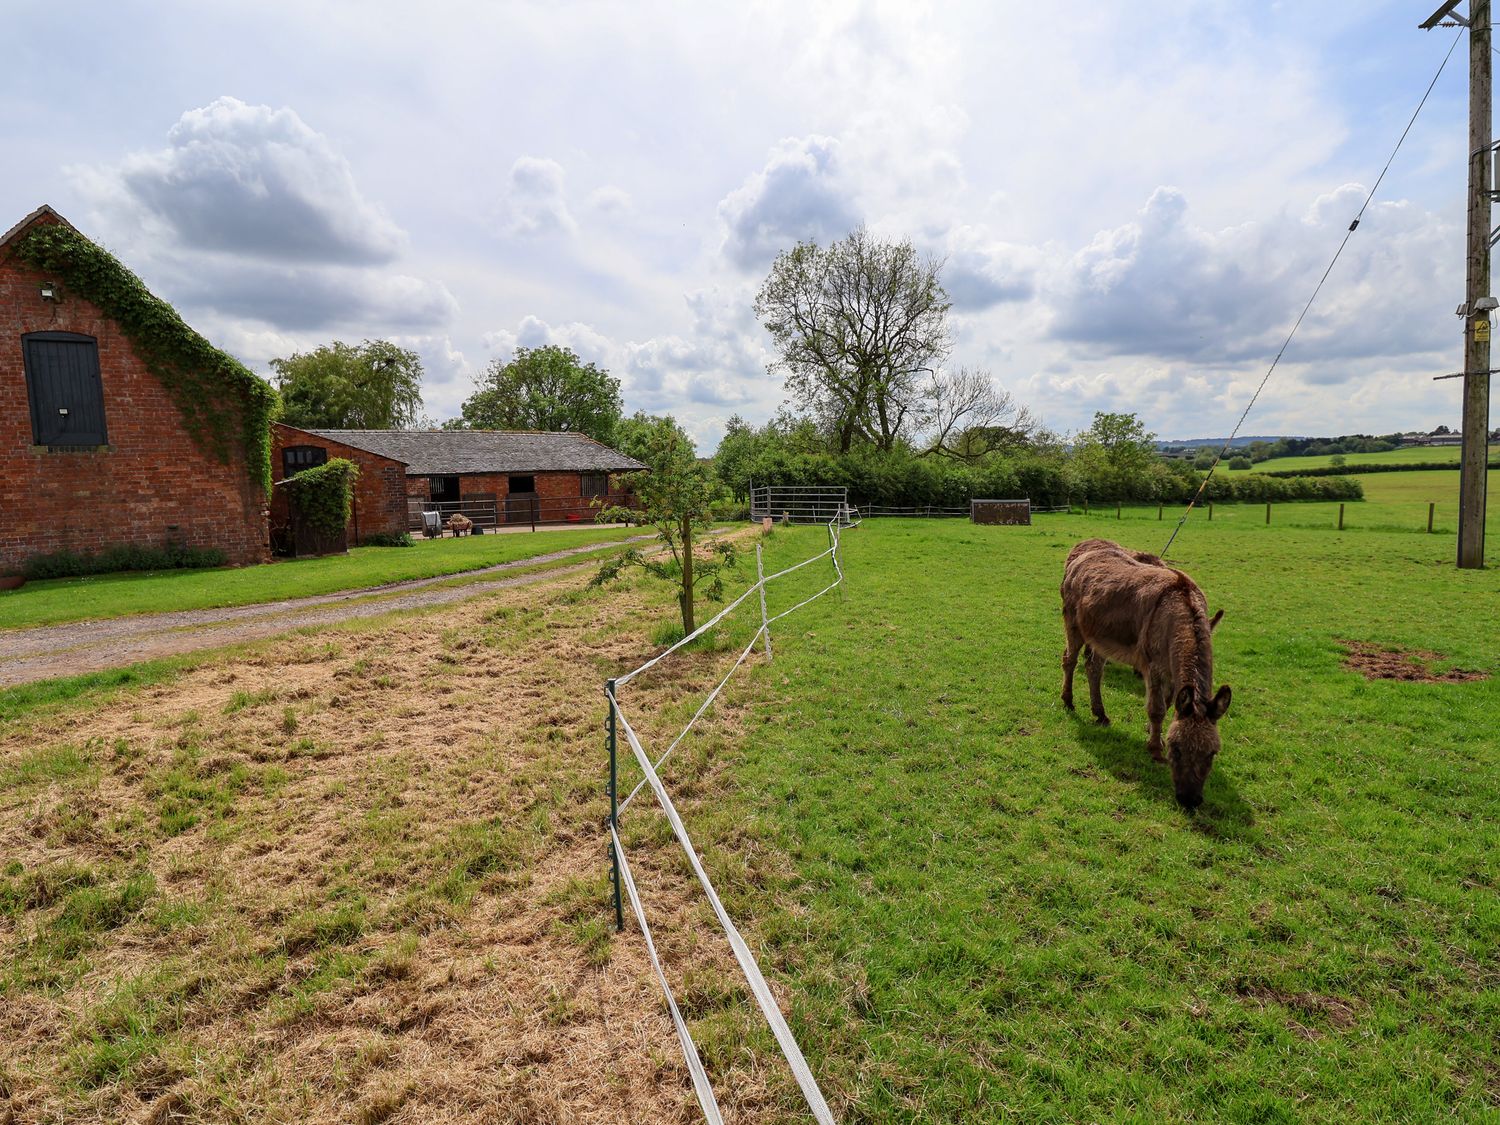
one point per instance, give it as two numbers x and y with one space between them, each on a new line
379 492
151 484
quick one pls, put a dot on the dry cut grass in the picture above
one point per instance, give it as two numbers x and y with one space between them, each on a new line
360 875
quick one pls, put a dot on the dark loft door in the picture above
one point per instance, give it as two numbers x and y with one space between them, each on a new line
62 380
444 490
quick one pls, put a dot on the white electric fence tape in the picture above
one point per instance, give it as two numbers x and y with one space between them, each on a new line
763 996
768 1006
689 1049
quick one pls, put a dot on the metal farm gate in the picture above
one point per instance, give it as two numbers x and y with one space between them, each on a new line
802 504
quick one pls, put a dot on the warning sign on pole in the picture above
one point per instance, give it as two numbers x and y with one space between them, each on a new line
1482 330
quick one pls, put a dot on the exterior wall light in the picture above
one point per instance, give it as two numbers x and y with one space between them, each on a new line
49 291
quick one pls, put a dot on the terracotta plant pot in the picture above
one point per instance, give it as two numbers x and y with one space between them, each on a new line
12 581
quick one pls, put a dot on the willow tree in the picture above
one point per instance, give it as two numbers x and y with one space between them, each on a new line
860 327
374 385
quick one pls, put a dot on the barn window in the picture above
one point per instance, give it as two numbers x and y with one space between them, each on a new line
442 490
521 484
295 458
67 395
593 484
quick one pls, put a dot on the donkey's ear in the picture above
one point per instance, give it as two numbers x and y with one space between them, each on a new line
1213 622
1184 701
1220 704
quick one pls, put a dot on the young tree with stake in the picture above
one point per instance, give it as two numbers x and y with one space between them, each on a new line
675 497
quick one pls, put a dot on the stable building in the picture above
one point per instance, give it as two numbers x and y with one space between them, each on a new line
119 425
494 477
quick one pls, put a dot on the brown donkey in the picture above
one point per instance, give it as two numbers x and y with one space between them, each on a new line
1131 607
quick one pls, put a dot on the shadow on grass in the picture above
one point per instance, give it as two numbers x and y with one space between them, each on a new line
1123 753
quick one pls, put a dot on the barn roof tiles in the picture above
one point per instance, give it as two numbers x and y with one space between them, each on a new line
451 452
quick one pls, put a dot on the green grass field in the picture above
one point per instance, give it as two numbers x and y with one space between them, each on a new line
1393 502
985 908
115 595
1410 455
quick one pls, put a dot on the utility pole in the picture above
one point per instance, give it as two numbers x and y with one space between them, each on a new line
1473 466
1472 478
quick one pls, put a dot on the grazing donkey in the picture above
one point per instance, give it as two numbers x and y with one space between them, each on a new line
1133 608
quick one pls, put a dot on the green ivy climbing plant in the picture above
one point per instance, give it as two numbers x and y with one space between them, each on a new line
216 394
323 494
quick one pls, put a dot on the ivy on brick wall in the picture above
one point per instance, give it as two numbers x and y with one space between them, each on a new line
323 494
201 379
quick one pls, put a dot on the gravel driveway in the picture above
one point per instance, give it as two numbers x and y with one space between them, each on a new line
72 649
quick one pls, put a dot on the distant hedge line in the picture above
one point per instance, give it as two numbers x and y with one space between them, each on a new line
901 480
1351 470
1263 487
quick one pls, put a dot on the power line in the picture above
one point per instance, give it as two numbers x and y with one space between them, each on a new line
1318 289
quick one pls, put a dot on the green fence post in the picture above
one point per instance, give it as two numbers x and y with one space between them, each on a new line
614 807
1158 512
1210 511
1341 517
1268 513
1118 506
1430 508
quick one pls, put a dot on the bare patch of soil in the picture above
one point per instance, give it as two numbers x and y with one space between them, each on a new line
1339 1013
1385 662
360 875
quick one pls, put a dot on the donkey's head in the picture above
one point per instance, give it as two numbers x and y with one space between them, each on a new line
1193 742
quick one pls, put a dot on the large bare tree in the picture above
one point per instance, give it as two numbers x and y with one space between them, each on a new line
967 416
859 325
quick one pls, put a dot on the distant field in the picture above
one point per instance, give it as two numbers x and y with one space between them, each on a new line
1393 502
1395 456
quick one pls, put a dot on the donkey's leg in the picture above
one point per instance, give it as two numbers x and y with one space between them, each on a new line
1156 711
1070 657
1093 666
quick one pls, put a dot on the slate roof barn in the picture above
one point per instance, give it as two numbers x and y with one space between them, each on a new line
446 452
491 476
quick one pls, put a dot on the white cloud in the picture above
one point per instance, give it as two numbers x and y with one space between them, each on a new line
982 271
610 200
797 196
534 203
302 299
258 182
1162 286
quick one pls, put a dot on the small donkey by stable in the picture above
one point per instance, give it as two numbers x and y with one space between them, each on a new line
1130 607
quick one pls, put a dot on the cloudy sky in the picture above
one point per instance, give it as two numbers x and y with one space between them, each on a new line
1132 199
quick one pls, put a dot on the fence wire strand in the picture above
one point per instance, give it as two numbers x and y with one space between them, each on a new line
1348 234
745 958
701 1085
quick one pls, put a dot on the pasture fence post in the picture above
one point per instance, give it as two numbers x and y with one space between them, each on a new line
1431 506
1118 506
1268 513
1085 505
1158 511
1210 511
614 807
765 621
1341 517
533 513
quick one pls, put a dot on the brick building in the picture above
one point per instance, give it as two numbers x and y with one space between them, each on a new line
379 503
97 448
492 476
